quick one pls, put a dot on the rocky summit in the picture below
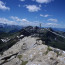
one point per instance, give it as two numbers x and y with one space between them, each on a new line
32 51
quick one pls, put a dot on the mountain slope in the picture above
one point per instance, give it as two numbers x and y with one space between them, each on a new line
45 35
7 28
27 52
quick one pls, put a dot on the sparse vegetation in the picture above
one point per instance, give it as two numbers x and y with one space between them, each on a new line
24 62
46 52
58 53
48 49
19 56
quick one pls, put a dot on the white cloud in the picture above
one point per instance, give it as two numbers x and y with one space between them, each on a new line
53 24
41 15
50 24
18 19
22 0
15 21
44 1
53 20
15 18
3 7
25 22
33 8
6 21
45 15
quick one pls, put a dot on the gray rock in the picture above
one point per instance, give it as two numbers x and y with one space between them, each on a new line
34 52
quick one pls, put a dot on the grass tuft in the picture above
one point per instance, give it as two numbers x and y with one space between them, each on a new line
24 62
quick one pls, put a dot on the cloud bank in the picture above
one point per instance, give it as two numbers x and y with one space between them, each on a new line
53 20
25 22
3 7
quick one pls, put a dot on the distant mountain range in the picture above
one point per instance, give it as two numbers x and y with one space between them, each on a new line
59 29
14 28
9 28
48 38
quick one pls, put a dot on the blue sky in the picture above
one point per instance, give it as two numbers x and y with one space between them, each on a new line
50 13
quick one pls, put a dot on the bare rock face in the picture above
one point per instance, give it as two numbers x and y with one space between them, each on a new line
61 60
14 61
31 51
37 63
34 52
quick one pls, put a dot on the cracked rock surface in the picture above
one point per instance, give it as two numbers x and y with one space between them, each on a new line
31 51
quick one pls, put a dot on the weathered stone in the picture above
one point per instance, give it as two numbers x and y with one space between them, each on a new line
32 52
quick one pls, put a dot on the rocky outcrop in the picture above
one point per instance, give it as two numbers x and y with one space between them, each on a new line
31 51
